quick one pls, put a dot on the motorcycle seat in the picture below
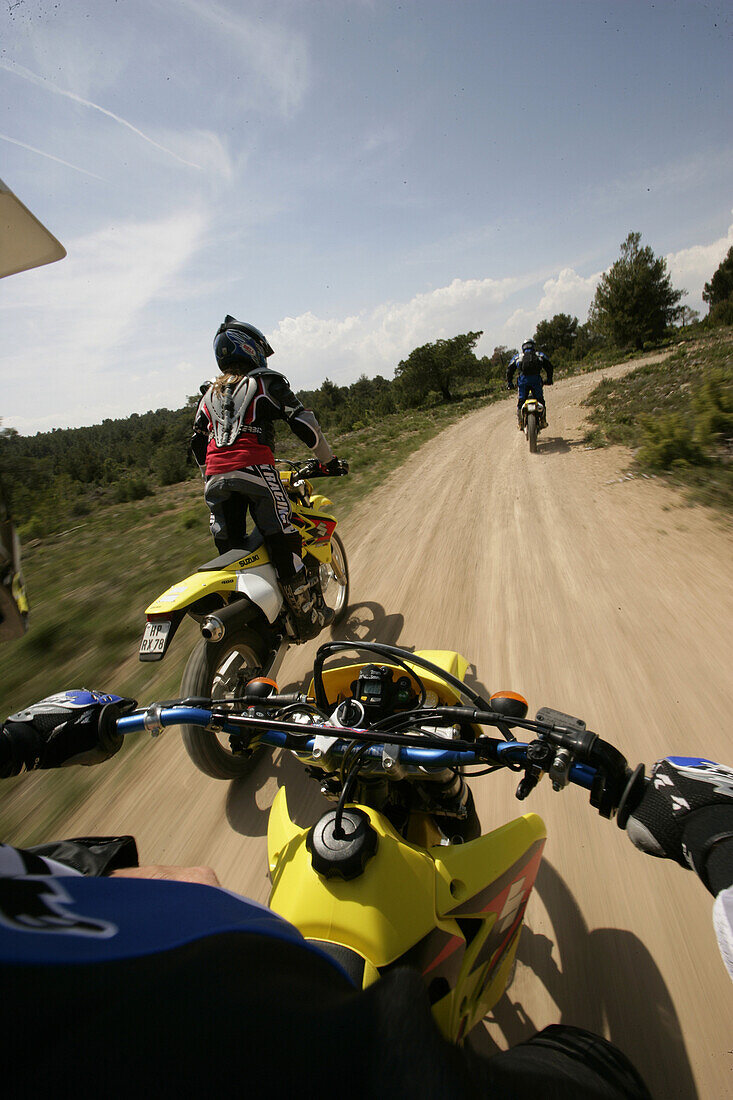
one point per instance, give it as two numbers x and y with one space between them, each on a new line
253 542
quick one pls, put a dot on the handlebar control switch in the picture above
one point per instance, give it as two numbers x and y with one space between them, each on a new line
539 760
346 856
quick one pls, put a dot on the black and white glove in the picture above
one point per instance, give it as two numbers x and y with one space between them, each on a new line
686 814
510 386
335 468
73 727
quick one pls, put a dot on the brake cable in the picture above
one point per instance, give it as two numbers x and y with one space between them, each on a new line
338 831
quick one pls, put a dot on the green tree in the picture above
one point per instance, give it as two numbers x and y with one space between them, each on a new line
559 333
435 367
688 316
720 287
171 464
499 360
634 301
718 293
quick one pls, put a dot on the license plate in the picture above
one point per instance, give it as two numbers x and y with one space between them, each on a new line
154 639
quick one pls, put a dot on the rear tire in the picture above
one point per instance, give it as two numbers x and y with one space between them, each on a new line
220 670
532 432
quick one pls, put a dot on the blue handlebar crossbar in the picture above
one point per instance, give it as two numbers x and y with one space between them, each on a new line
510 752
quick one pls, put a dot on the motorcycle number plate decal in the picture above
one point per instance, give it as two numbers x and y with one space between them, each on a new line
154 637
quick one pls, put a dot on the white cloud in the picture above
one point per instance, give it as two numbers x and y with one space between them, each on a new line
372 342
68 329
277 57
568 292
691 268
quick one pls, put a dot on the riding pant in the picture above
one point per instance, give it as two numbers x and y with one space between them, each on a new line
259 489
529 384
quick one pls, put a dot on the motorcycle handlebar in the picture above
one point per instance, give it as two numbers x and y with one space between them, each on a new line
512 754
313 468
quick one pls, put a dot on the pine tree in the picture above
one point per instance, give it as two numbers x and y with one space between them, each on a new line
635 301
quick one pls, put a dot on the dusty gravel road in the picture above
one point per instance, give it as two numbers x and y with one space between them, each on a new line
605 598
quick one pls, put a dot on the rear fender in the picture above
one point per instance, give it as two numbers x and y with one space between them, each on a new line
259 583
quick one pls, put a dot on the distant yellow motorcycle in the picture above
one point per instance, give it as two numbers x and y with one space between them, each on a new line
398 873
245 624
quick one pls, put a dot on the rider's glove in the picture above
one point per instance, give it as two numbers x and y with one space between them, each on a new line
334 468
510 385
686 814
73 727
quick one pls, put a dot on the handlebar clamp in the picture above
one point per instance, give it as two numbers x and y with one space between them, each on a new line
151 719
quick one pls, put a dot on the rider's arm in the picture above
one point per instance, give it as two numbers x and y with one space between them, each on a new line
686 814
200 437
549 369
511 368
300 420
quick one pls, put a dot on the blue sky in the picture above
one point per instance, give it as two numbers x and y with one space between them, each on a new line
355 177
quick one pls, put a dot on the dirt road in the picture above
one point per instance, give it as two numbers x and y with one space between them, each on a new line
606 598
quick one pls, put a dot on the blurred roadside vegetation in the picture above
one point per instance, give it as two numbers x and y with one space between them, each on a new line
676 416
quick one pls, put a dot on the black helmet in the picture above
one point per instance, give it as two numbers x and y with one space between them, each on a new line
528 345
13 599
240 347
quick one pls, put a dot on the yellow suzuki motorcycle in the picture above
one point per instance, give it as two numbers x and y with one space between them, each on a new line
533 420
399 873
245 624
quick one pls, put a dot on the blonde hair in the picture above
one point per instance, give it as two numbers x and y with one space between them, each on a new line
224 380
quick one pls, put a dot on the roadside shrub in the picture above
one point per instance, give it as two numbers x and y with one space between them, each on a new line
132 488
722 313
35 528
668 442
713 405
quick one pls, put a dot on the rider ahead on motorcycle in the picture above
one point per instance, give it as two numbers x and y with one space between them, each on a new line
233 441
529 362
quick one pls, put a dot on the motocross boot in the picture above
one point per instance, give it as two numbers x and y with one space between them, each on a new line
327 614
308 620
520 425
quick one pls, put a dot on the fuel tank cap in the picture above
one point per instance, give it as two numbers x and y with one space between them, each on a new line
344 856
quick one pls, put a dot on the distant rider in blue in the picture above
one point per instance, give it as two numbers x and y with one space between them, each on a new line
529 362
